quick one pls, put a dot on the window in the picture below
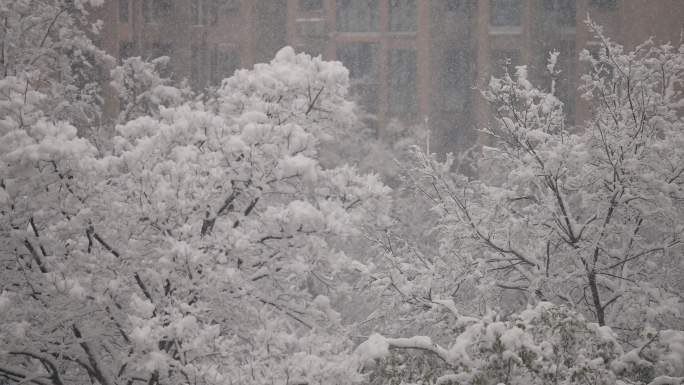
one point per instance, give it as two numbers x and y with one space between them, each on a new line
566 85
357 15
403 80
198 53
312 28
212 10
310 5
361 60
505 13
199 13
604 3
149 12
455 78
558 12
123 11
154 10
148 16
230 6
402 15
223 63
196 11
204 12
453 5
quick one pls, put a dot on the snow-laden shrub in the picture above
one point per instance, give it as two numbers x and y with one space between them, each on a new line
545 344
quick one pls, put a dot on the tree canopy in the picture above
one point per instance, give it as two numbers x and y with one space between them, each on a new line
220 240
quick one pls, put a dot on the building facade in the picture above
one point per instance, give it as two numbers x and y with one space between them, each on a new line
410 61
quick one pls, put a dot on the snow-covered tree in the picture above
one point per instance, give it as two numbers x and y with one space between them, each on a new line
49 67
590 218
199 251
142 90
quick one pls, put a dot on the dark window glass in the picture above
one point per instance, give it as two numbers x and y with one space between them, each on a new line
212 11
204 12
148 17
195 66
453 5
505 13
312 28
455 78
197 61
223 63
361 60
229 6
566 85
357 15
402 82
604 3
558 12
123 11
154 10
310 5
403 15
196 11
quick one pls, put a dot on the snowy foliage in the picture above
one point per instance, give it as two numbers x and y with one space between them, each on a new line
49 65
218 240
196 250
142 90
544 344
590 219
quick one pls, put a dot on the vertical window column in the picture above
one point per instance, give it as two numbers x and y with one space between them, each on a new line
196 11
149 11
455 87
123 11
223 63
362 60
204 12
198 52
566 85
403 80
154 10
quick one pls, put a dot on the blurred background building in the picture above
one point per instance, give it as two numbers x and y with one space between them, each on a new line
410 61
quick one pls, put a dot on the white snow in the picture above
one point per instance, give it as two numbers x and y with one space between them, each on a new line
374 348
